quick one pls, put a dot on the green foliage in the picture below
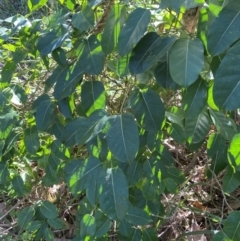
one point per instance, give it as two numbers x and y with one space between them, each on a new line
89 93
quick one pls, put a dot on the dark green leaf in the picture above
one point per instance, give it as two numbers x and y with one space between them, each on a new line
4 173
113 193
92 57
170 185
103 225
7 123
175 115
177 133
225 29
64 107
82 174
125 228
48 210
56 223
93 96
18 186
176 5
231 180
31 139
122 137
33 226
133 30
149 234
88 226
35 4
83 20
226 85
186 61
93 3
234 151
119 66
59 56
134 172
231 226
25 216
148 109
48 234
147 51
137 216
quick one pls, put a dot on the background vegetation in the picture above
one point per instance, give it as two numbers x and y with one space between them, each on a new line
119 120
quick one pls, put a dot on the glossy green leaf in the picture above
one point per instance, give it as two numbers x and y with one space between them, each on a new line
137 216
92 57
87 226
147 51
48 210
225 29
134 172
44 115
195 98
133 30
148 109
113 193
231 180
225 125
7 73
81 174
186 61
59 56
231 227
122 137
83 20
175 115
93 96
119 66
64 107
197 127
114 22
25 216
234 150
7 123
177 133
31 139
226 85
69 79
50 42
18 186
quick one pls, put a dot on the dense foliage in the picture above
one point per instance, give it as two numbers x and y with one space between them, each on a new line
94 94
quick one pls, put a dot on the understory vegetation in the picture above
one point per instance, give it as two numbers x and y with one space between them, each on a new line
119 120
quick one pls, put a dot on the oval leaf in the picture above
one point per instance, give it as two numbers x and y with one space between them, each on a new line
186 61
133 30
31 139
48 210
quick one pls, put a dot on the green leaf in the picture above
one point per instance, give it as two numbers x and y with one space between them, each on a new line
5 97
4 173
148 109
225 29
64 107
92 57
81 174
186 61
87 226
18 186
33 226
150 189
90 127
50 42
149 234
44 115
48 210
133 30
59 56
48 234
113 193
226 85
69 79
170 185
134 172
231 226
136 235
93 3
234 151
7 123
147 51
195 98
93 96
175 115
177 133
112 27
83 20
125 228
122 137
31 139
176 5
119 66
25 216
225 125
197 127
137 216
56 223
35 4
231 180
7 73
103 225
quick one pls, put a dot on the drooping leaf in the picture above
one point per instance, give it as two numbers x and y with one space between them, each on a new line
113 193
92 56
25 216
225 125
48 210
147 51
133 30
186 61
122 137
81 174
114 22
83 20
44 115
69 79
148 109
31 139
225 29
93 96
226 85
